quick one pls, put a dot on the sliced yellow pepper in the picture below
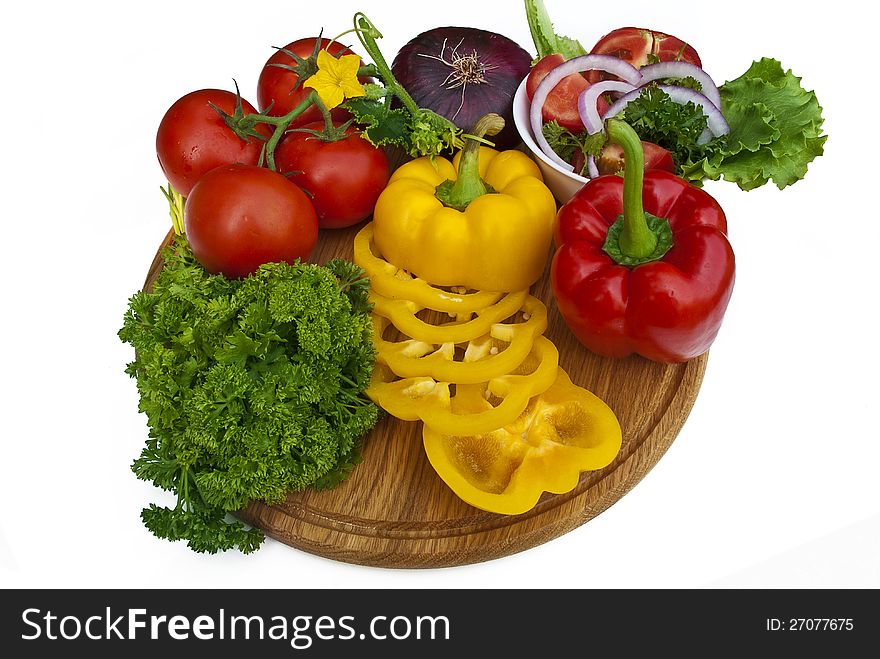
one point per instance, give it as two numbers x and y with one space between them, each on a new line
402 313
564 431
500 351
504 397
390 281
486 224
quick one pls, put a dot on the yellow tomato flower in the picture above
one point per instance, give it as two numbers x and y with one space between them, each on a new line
336 79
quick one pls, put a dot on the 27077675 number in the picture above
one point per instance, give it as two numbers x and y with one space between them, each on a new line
810 624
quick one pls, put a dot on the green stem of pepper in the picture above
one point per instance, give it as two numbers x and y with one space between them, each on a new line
637 237
468 186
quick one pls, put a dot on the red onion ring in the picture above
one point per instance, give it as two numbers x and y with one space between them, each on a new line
662 70
588 99
624 70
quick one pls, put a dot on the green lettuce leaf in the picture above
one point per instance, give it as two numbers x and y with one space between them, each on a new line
775 128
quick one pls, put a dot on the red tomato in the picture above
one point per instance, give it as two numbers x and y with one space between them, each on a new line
640 46
656 157
239 217
343 178
561 104
193 139
282 88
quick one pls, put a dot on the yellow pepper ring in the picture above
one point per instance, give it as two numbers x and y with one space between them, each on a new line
565 431
430 401
411 358
388 280
402 313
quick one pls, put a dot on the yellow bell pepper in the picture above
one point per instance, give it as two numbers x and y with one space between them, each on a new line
484 223
563 432
504 397
500 351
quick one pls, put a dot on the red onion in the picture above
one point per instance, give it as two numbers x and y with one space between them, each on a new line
662 70
717 124
590 97
613 65
589 112
463 73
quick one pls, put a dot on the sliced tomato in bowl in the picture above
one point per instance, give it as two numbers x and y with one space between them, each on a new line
562 103
611 161
641 46
656 157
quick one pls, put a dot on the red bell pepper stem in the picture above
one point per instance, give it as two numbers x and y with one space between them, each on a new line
636 239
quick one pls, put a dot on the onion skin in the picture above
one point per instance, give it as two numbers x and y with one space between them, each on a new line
435 85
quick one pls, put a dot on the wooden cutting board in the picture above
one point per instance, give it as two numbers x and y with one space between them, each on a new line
394 511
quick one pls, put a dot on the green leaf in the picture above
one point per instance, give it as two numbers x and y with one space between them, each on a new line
776 127
547 42
382 124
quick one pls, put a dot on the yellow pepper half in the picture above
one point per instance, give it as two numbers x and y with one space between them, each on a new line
485 224
563 432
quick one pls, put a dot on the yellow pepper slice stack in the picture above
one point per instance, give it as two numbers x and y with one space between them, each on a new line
502 422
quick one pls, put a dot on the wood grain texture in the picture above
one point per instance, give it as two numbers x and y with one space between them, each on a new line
394 511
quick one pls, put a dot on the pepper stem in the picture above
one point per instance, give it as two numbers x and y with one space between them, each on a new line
468 186
636 239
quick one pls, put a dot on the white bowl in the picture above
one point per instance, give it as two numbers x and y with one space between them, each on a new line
562 184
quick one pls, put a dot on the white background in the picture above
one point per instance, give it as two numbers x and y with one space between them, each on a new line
771 483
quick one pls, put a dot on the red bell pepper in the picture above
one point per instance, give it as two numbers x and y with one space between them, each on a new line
627 281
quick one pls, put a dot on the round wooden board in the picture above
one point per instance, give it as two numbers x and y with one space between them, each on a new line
394 511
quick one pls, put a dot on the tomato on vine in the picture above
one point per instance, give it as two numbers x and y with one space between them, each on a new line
342 176
280 88
193 137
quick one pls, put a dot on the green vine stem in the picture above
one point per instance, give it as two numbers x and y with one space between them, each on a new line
368 33
244 126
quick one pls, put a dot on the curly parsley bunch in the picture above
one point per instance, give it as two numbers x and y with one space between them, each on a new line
252 388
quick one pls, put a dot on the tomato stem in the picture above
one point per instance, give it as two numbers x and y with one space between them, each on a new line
281 124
